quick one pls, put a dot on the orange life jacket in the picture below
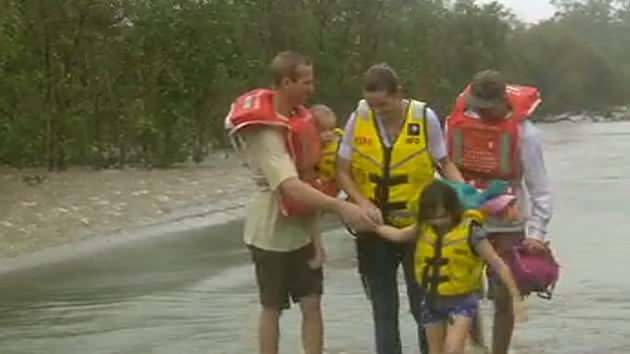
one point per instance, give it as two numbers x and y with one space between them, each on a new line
256 109
484 149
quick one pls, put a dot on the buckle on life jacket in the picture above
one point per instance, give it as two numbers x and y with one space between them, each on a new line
391 181
394 206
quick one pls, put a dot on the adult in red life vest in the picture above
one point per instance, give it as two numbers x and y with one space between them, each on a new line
257 109
490 136
276 137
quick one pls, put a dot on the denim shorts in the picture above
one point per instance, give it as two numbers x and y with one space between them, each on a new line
444 309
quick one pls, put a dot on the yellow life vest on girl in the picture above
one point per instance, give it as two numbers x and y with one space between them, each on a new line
390 177
448 265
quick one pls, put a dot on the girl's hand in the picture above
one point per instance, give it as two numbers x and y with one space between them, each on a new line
397 235
520 310
372 211
384 229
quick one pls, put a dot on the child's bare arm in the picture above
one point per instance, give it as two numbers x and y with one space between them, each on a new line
397 235
319 255
485 250
316 233
490 256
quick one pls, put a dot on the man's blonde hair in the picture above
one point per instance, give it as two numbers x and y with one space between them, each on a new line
286 64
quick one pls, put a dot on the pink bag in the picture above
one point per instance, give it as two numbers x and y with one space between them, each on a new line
535 272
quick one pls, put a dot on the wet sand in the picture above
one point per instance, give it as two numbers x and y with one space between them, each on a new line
83 204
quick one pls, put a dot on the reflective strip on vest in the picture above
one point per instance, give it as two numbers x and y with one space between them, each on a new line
391 176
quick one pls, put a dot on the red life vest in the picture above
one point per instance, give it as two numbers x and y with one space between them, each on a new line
484 149
256 109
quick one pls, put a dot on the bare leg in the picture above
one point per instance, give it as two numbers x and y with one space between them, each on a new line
269 331
503 321
312 325
436 334
456 335
476 334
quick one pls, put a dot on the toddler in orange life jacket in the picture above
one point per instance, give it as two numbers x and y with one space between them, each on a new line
326 122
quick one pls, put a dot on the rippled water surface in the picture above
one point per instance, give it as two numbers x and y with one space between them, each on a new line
195 293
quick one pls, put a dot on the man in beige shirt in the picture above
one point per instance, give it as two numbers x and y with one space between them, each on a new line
281 246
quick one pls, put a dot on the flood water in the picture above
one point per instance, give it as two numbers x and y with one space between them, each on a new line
195 293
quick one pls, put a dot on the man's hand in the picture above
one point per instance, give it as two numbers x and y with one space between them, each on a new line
450 171
372 211
356 217
535 246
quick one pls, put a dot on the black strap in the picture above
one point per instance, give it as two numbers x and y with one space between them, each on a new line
438 262
430 284
393 206
391 181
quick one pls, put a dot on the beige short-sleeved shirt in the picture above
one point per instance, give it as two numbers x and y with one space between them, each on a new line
266 228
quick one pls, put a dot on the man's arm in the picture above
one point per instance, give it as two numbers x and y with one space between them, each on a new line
295 189
537 183
450 171
437 148
266 147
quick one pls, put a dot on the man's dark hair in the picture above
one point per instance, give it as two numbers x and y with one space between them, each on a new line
381 78
487 90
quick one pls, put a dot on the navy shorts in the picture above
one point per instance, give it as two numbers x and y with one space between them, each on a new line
444 309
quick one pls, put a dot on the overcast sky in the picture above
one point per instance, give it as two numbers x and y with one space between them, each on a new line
529 10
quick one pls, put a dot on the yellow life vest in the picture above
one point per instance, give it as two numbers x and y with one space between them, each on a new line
390 177
327 166
449 265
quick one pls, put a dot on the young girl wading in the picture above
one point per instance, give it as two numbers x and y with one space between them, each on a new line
451 252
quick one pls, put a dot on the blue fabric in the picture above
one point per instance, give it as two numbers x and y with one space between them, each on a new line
467 306
471 198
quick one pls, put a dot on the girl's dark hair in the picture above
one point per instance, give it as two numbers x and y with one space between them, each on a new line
436 195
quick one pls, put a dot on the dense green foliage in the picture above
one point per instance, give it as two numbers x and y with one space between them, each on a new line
113 82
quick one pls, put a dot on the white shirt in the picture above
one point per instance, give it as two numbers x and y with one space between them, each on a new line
436 143
535 195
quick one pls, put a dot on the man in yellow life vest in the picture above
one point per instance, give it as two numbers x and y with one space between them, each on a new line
390 151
